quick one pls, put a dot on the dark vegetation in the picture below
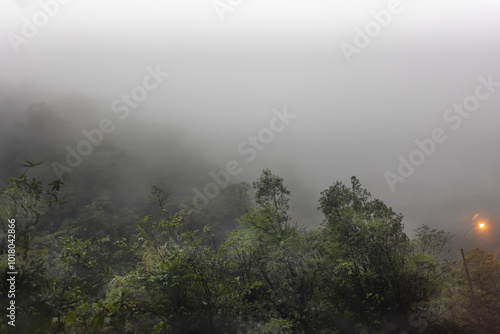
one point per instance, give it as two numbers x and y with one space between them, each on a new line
118 247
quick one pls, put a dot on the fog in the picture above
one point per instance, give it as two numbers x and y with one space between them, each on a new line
353 113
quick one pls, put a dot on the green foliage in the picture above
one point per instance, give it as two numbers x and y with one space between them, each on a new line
453 306
271 216
427 263
26 200
86 272
158 197
273 265
484 270
29 202
176 280
369 253
431 242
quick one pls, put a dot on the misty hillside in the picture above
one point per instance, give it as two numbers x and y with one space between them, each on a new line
249 167
132 240
159 155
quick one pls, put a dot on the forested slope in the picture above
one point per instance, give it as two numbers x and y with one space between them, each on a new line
117 246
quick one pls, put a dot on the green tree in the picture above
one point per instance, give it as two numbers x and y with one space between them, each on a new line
29 202
271 214
176 285
431 242
70 282
430 266
274 265
484 270
368 255
453 305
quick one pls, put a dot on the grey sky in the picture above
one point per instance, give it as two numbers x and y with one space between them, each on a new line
352 118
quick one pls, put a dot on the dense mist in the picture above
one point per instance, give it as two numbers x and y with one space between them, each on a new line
226 77
191 96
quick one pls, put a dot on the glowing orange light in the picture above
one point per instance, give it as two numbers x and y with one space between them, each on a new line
481 225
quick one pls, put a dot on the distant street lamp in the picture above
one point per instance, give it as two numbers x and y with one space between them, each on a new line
476 310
